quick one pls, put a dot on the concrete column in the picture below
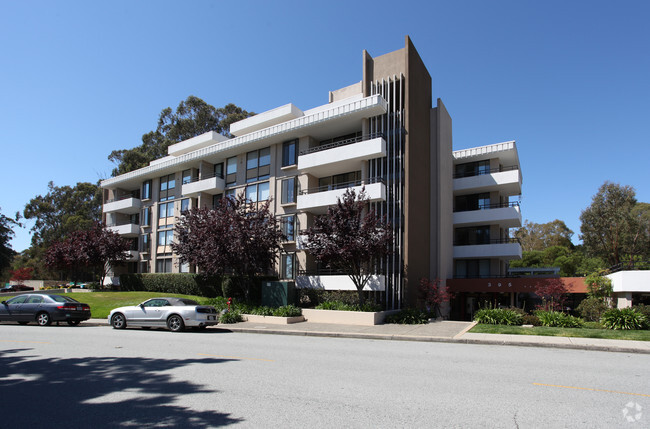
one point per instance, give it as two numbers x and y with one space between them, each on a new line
624 300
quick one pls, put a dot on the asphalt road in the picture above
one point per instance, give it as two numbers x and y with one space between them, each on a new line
94 376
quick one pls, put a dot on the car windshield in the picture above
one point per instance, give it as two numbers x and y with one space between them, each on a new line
60 298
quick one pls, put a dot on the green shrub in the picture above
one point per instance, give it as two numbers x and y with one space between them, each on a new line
645 310
591 309
623 318
220 303
558 319
287 311
408 316
498 316
182 283
344 306
531 319
230 317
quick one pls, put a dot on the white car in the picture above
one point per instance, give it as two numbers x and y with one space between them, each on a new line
173 313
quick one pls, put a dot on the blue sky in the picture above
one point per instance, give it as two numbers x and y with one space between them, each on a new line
569 81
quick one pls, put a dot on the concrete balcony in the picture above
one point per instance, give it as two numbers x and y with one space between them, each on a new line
507 181
317 201
338 282
126 230
127 205
497 249
211 185
340 157
506 216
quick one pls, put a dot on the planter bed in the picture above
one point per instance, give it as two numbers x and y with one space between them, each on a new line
273 320
363 318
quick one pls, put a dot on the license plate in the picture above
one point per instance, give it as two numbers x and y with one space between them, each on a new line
79 308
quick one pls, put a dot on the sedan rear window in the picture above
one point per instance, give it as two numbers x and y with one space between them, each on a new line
60 298
186 301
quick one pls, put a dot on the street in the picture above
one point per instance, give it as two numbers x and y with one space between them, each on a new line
95 376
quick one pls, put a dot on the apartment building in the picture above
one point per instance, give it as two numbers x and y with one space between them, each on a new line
383 133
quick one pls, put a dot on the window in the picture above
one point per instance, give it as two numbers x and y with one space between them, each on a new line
472 235
472 168
231 193
187 176
165 237
289 190
258 165
167 185
472 268
164 265
146 216
472 202
134 219
340 181
215 200
289 151
185 205
218 170
144 266
185 268
287 265
165 210
288 227
146 190
231 171
263 191
145 245
258 192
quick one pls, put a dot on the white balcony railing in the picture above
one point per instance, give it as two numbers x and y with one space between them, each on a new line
211 185
126 230
499 250
505 217
507 182
339 282
340 157
318 202
128 205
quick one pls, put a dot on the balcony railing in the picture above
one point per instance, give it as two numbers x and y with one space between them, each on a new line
480 242
490 206
203 177
123 197
482 172
342 143
113 225
343 185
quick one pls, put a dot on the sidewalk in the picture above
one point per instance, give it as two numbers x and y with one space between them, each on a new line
445 331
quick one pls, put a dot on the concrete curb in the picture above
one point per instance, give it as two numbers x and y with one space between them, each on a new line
495 342
457 339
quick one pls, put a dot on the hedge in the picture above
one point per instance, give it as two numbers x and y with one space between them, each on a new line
192 284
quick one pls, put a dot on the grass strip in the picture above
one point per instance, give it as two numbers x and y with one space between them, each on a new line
563 332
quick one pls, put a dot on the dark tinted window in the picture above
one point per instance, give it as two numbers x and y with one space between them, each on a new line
18 300
60 298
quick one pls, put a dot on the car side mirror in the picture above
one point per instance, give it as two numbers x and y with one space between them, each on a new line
141 305
4 302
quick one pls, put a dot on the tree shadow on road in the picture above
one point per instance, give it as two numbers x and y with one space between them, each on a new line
100 392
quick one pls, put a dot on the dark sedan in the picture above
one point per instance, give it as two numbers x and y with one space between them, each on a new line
16 288
44 309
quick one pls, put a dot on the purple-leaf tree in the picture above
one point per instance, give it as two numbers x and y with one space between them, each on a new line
96 249
237 236
350 238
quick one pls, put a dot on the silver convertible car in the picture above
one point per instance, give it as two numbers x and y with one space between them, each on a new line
173 313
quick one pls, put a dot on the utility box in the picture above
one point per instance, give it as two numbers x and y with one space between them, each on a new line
277 294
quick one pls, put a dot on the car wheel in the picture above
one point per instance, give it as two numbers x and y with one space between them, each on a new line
118 321
43 319
175 323
23 322
73 322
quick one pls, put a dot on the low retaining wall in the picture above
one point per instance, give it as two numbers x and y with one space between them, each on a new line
363 318
273 320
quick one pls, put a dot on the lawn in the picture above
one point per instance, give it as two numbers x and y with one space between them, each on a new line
101 303
563 332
